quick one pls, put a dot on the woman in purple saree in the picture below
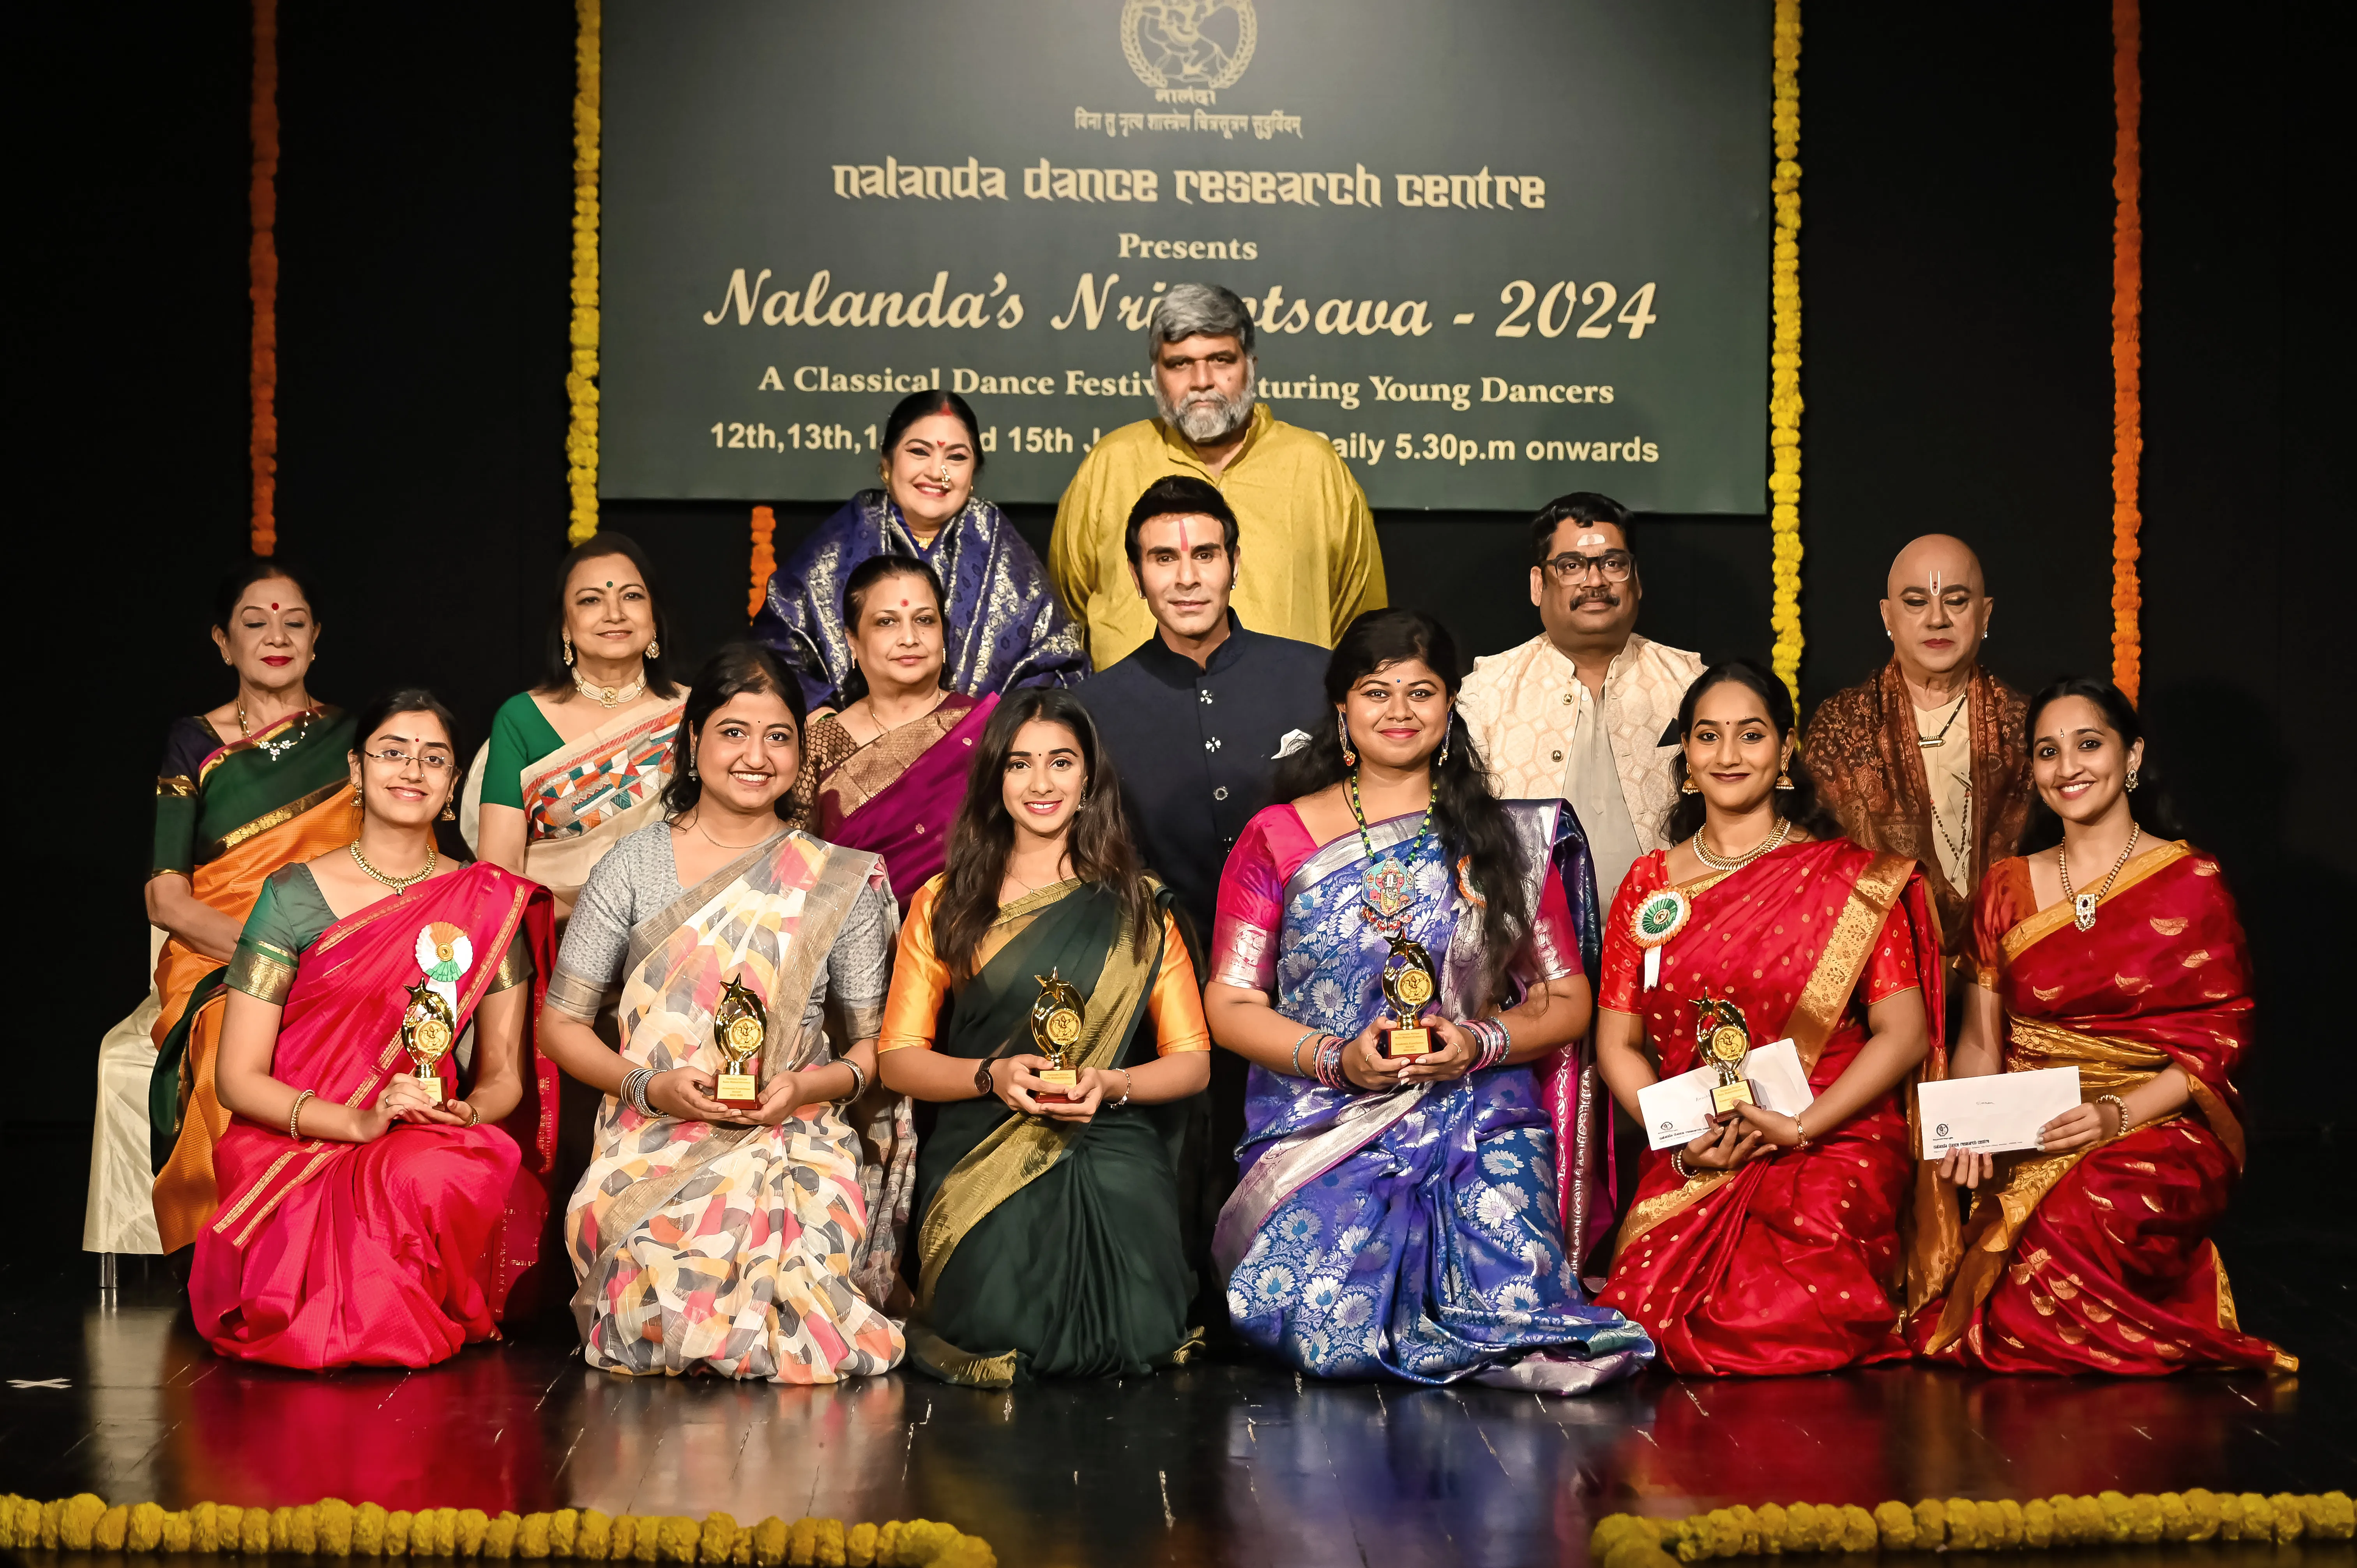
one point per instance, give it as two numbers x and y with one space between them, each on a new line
1399 1216
1002 624
889 772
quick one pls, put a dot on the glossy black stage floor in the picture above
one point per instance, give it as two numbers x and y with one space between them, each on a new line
1231 1462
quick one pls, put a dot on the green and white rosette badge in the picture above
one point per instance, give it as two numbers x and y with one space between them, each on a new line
1661 915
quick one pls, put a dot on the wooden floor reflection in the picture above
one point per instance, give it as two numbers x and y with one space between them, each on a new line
1231 1462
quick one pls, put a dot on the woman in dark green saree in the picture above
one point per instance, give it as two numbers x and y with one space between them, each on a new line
1049 1244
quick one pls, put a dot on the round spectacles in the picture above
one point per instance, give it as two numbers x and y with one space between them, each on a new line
1613 565
433 762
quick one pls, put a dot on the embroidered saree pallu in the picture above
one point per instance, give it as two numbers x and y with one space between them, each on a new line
2100 1260
898 794
1793 1263
239 811
1414 1234
1050 1249
750 1251
398 1251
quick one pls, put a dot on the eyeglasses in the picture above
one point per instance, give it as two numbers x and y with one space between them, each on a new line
1614 566
433 763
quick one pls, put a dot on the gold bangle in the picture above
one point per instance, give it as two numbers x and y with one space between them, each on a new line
294 1115
2124 1122
1801 1131
474 1116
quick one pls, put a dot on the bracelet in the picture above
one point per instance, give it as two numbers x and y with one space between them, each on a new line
474 1117
1802 1132
1491 1035
1128 1087
1306 1036
2126 1123
1678 1164
295 1116
1327 1066
634 1090
858 1081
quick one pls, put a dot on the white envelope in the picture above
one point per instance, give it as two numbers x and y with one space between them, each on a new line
1995 1114
1677 1110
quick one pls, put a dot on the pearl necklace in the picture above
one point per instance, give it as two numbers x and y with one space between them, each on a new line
1738 861
611 697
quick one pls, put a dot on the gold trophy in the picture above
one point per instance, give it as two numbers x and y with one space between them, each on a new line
1724 1040
427 1032
1056 1019
1408 986
739 1026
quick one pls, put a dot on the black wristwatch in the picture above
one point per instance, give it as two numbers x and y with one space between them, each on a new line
982 1078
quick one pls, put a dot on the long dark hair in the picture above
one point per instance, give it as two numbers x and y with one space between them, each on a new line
740 667
1473 827
2151 805
1799 805
558 674
1097 842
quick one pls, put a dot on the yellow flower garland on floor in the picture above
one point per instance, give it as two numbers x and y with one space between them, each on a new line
333 1528
262 281
581 380
2128 351
1784 355
2108 1518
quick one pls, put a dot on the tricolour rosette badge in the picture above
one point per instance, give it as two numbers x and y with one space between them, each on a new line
429 1025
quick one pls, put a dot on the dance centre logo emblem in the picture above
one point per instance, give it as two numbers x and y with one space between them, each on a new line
1187 50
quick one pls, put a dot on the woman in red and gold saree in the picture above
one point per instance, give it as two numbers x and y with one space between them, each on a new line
2093 1253
367 1217
253 785
888 773
1772 1243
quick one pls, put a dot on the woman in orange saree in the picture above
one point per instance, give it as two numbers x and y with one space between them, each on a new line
888 773
2093 1253
258 783
1770 1243
370 1215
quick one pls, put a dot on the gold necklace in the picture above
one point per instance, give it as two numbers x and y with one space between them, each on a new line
275 750
398 884
1928 741
611 697
722 843
1738 861
2082 904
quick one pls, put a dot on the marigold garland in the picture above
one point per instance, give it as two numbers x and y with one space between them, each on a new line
262 285
1784 356
2127 345
2108 1518
581 380
765 562
333 1528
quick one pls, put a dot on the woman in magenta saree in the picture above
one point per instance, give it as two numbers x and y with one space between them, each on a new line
2093 1253
1772 1243
367 1218
889 772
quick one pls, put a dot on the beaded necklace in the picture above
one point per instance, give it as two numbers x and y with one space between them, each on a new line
1384 882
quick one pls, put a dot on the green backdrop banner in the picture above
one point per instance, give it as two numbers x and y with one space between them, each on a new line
1497 249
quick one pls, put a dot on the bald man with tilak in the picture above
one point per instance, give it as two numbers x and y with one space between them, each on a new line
1927 757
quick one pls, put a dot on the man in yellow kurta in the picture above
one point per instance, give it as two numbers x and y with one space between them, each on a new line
1307 560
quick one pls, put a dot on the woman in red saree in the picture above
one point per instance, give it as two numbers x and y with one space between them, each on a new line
888 773
2117 951
1771 1244
368 1216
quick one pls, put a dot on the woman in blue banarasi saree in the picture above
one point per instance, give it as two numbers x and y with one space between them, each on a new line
1399 1217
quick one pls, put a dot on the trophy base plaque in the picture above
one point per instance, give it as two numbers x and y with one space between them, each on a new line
1060 1082
1408 1042
429 1085
738 1090
1725 1097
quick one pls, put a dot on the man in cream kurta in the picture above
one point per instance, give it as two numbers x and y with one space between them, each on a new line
1310 561
1587 709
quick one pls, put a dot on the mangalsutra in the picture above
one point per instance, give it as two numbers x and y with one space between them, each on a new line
398 884
1738 861
1928 741
611 697
1963 842
2082 904
274 749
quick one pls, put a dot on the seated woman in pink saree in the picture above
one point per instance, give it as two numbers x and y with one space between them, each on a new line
887 772
367 1217
2116 951
1771 1244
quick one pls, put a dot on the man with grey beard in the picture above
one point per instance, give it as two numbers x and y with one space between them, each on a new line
1310 564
